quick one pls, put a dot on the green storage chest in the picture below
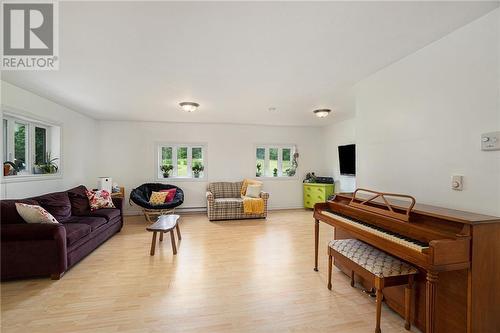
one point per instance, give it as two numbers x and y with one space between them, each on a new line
315 192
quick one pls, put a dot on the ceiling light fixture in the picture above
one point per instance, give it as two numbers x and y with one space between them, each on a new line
322 113
189 106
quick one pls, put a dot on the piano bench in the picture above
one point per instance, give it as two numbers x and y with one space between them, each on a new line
371 263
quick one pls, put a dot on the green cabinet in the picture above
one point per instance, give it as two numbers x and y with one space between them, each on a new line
314 193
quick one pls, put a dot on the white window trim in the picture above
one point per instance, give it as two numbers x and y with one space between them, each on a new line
280 147
29 117
189 177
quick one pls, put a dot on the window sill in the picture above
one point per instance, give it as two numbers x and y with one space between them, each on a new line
181 179
282 178
30 178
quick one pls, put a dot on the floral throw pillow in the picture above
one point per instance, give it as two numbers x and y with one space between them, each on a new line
99 199
34 214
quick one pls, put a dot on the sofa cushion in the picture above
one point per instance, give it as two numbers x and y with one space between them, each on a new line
93 221
79 202
107 213
236 203
75 232
225 189
57 204
8 211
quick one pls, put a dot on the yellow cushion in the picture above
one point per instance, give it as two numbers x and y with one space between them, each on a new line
247 182
158 198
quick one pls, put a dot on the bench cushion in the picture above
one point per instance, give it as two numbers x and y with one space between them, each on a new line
373 260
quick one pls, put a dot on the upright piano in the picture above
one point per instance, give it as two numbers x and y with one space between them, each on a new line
457 254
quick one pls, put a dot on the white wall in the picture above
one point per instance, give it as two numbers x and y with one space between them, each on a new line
338 134
127 154
419 121
79 132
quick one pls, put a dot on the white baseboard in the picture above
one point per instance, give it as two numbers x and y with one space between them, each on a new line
204 210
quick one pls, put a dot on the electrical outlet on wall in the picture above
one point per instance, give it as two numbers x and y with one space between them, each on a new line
457 182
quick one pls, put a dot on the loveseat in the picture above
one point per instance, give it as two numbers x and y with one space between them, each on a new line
224 202
50 249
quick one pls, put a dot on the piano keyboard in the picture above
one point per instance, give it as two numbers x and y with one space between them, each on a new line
382 233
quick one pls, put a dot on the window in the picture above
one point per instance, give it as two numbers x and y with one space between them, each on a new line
30 147
181 161
275 161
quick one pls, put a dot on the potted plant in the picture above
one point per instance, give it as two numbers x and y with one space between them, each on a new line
197 168
259 172
166 168
49 166
275 172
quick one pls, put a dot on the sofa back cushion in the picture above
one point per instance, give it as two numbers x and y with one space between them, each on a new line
57 204
79 202
225 189
8 211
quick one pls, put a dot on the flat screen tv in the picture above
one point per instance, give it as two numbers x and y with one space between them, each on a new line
347 159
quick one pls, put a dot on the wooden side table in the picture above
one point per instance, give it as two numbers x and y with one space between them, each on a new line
120 194
165 223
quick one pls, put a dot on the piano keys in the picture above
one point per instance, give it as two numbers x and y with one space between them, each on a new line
456 289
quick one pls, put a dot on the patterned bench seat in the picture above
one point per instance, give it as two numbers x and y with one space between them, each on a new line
371 263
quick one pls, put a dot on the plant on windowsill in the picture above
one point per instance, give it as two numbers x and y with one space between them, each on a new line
10 169
197 169
165 169
275 172
47 167
259 172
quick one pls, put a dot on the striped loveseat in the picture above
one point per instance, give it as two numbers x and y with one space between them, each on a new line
224 202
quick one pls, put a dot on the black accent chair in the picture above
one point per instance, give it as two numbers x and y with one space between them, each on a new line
140 196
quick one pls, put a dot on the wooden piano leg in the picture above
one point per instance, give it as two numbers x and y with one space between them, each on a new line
316 241
430 301
408 292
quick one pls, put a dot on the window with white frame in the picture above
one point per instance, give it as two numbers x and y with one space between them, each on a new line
274 161
181 161
30 147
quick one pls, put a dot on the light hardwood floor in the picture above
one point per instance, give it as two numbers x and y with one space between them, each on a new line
237 276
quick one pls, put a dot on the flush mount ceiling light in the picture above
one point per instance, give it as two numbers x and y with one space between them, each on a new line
189 106
322 113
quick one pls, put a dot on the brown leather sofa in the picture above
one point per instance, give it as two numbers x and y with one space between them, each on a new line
47 249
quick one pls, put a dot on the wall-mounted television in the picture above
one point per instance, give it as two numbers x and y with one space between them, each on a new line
347 159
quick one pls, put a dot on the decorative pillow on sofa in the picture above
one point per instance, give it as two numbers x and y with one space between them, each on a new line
158 198
170 194
99 199
34 214
253 191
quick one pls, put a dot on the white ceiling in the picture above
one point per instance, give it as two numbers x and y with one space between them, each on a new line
138 60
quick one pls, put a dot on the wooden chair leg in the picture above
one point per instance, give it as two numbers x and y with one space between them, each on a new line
352 278
380 296
172 238
408 292
330 272
153 244
178 231
161 236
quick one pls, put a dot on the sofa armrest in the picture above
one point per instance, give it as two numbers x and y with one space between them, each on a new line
118 202
32 231
210 197
35 249
264 195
